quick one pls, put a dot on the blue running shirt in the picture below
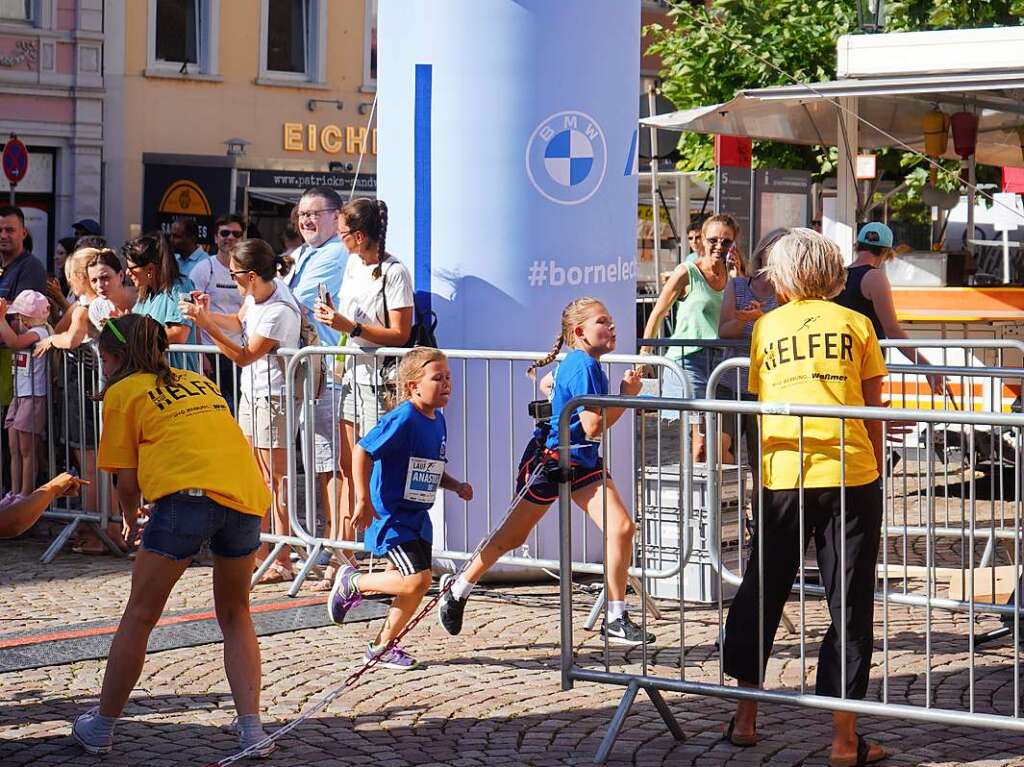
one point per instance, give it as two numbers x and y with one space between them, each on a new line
578 374
408 451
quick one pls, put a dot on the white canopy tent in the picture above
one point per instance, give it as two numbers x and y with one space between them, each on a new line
890 111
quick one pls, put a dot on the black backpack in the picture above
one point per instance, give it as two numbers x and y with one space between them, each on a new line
423 333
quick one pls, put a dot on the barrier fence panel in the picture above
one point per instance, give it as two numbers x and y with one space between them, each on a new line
52 426
490 394
930 668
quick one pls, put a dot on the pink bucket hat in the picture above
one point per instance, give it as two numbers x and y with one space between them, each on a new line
31 303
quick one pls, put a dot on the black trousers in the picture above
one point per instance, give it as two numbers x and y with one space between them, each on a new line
742 657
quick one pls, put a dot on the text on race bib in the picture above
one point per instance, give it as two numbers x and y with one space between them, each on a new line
423 479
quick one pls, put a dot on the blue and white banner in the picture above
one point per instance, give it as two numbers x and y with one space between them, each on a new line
505 128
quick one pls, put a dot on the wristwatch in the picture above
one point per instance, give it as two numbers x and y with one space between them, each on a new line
357 330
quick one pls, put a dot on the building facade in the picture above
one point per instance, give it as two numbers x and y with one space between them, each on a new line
220 105
51 97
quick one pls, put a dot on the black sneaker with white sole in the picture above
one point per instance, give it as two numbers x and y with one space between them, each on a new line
450 609
624 631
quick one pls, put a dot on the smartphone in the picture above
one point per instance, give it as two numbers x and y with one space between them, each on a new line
188 297
323 296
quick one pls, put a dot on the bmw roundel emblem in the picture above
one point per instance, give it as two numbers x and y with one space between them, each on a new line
566 157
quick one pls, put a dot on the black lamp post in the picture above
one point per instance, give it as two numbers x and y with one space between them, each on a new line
871 15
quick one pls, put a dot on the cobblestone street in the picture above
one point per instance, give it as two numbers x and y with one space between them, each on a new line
490 697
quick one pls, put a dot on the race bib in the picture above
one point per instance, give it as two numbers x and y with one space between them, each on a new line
422 480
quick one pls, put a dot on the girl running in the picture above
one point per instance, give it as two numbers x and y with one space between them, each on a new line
397 469
588 330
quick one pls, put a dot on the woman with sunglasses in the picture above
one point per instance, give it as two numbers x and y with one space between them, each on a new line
269 319
698 288
153 270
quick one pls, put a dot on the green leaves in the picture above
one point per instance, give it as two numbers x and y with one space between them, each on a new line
710 53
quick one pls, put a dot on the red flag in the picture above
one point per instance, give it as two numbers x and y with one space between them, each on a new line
1013 180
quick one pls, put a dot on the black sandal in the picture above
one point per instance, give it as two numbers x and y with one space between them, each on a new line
742 741
863 750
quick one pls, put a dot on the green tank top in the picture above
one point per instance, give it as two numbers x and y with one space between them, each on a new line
697 314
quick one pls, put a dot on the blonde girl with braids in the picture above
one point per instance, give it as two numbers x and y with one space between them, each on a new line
375 308
588 331
398 467
156 437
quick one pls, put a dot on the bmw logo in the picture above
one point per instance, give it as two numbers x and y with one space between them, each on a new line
566 157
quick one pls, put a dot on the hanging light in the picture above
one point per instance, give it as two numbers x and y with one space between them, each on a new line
871 15
965 133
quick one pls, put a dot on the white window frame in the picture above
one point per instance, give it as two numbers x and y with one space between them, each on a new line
369 21
208 21
316 48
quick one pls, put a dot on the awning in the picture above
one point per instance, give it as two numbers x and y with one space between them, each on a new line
891 109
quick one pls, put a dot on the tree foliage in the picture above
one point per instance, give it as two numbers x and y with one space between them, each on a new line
709 53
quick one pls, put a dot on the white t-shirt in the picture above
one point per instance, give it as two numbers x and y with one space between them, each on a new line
214 279
30 372
276 318
362 299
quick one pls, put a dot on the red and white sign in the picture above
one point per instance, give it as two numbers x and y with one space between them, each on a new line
15 160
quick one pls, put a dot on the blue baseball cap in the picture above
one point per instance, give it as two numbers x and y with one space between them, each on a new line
88 225
875 233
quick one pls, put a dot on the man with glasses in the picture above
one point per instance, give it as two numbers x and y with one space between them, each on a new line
184 238
321 259
213 277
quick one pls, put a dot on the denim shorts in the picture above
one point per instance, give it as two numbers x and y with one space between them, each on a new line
179 524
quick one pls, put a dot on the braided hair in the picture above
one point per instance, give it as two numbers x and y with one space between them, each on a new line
573 315
371 218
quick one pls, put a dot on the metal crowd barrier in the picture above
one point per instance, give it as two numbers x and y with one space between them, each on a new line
968 463
70 441
493 370
956 686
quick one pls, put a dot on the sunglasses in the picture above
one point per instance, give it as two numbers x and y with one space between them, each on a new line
225 233
723 241
234 274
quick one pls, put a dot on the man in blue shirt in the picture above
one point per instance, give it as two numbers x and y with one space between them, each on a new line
184 238
320 260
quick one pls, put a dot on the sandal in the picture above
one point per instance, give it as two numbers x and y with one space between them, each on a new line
863 751
277 573
327 582
743 741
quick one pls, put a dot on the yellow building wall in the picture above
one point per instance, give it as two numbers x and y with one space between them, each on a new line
195 116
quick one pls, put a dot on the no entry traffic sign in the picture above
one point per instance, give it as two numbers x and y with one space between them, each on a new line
15 160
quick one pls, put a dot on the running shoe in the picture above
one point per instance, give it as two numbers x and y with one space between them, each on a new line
450 609
624 631
344 595
245 742
83 733
395 658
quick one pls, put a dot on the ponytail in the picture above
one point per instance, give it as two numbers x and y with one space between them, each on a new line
573 315
382 229
543 362
140 343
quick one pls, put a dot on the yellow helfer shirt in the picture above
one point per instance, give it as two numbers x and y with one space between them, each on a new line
814 353
180 437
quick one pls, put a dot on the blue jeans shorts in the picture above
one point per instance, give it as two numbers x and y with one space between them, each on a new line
180 524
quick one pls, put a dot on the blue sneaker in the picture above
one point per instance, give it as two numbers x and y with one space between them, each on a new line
84 732
344 595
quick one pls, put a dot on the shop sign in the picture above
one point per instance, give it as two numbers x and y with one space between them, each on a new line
303 179
330 138
172 191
